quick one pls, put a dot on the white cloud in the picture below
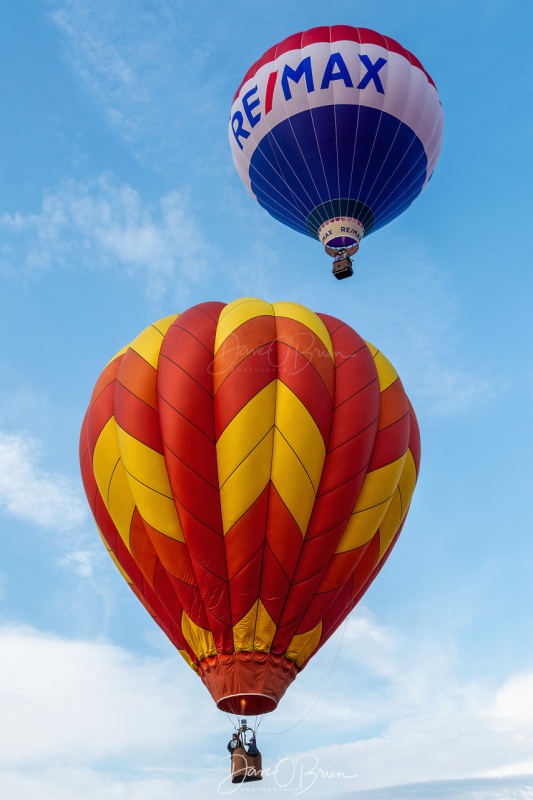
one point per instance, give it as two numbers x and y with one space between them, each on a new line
82 561
380 674
399 712
515 698
65 783
103 224
86 719
30 492
81 702
94 720
427 747
469 789
51 501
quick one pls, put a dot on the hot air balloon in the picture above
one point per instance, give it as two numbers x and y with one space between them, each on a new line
335 131
249 467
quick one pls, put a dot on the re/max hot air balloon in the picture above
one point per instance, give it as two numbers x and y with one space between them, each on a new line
249 467
335 131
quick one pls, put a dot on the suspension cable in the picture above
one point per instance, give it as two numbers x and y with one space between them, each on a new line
278 733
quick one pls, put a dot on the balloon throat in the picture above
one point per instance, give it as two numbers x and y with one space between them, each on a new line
341 233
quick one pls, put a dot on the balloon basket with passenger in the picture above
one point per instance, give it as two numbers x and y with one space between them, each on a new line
342 262
246 760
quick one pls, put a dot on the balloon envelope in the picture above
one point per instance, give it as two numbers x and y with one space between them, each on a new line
335 131
249 467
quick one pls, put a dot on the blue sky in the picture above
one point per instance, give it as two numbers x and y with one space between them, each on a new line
120 204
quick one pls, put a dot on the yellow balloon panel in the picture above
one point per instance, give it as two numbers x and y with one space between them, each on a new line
255 630
236 314
149 485
303 644
148 343
112 481
296 425
200 640
371 506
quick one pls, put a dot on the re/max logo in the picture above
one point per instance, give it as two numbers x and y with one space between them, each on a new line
336 70
347 230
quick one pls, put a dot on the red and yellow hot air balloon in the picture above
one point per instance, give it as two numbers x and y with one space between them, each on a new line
249 467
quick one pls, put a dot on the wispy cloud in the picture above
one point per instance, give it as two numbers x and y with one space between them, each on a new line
406 305
400 712
84 702
49 500
468 789
381 675
81 561
34 494
104 224
130 58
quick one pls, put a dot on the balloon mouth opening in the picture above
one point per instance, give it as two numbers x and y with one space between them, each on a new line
257 679
341 232
252 704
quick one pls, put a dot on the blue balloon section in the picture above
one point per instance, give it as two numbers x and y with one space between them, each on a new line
333 161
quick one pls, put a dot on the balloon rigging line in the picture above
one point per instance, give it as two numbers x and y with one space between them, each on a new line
391 145
278 733
302 153
385 193
231 722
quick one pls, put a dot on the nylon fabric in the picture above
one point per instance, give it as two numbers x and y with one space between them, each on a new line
249 467
336 122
